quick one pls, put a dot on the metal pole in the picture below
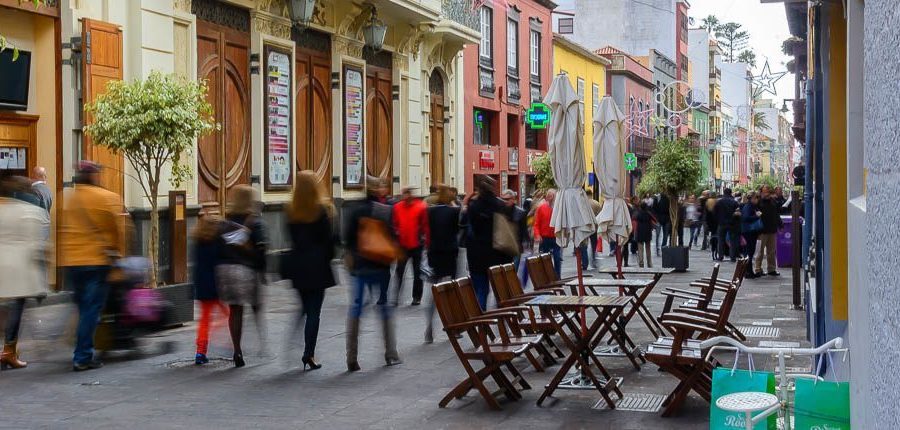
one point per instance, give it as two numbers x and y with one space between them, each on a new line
796 248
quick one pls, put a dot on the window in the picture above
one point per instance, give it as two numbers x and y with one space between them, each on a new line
535 43
512 47
595 97
487 32
483 120
566 25
581 96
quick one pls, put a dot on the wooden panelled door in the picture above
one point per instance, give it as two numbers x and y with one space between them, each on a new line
313 114
223 156
436 123
102 64
379 123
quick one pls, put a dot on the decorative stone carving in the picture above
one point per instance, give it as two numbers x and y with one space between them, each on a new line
412 43
351 25
275 7
401 62
183 5
224 14
267 25
350 48
318 16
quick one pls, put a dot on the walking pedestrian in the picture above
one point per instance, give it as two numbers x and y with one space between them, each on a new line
771 223
545 234
410 218
701 218
692 219
370 222
311 230
663 221
91 236
443 248
750 224
727 213
206 256
519 218
643 234
478 216
712 224
242 261
23 238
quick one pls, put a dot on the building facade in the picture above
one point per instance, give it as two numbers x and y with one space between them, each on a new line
587 74
631 85
506 73
634 27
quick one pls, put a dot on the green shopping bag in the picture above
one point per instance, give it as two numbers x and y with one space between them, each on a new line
821 405
728 381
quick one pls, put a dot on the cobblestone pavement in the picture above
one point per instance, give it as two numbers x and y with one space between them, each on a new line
166 390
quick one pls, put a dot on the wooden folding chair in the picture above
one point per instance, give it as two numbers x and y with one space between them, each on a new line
704 300
494 354
542 275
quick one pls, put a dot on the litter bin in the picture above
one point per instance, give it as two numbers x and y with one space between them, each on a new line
784 243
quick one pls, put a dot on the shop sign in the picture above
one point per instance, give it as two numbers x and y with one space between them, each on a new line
538 116
278 118
353 127
486 160
630 161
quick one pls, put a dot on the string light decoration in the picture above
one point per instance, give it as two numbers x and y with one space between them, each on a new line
765 81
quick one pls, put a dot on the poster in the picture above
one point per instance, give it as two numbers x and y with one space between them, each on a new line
278 123
353 127
513 159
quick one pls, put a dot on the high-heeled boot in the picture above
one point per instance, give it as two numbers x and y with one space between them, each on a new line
9 359
352 344
391 357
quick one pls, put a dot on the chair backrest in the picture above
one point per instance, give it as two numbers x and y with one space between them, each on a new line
710 288
547 262
467 295
539 277
512 280
740 270
499 284
726 308
448 304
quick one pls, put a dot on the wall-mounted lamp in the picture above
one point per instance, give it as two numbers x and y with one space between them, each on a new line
784 108
302 12
374 31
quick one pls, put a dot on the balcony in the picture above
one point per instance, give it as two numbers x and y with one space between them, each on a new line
460 12
456 26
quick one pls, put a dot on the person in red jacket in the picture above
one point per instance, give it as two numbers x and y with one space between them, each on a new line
544 233
410 217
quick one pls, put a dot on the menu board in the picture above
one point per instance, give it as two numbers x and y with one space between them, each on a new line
353 127
12 158
278 118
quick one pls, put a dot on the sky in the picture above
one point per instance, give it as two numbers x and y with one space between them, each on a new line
766 24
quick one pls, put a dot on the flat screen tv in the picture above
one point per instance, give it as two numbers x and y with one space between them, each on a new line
14 77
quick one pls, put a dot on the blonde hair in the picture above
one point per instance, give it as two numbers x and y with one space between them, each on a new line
308 200
242 200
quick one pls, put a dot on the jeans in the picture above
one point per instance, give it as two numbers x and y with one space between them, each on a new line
593 252
705 243
91 290
750 238
695 234
415 255
522 268
734 240
482 288
15 307
549 245
311 307
376 281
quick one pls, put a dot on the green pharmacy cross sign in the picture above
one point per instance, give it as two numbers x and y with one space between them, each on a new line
630 161
538 116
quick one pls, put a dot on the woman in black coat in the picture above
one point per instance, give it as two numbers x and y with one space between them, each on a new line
443 245
309 262
479 221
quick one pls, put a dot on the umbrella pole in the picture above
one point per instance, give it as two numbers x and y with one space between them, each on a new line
580 289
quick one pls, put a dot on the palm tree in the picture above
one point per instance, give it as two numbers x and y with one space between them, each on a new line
759 121
748 56
710 23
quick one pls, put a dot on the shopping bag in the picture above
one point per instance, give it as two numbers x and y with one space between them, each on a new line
821 405
728 381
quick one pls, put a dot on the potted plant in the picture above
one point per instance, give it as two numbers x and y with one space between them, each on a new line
672 170
153 123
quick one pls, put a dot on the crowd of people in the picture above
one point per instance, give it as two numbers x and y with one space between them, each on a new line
380 238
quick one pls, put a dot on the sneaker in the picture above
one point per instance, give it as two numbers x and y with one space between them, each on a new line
200 359
93 364
415 302
774 273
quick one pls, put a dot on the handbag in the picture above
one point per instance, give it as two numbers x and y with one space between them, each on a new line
375 243
729 381
505 238
822 404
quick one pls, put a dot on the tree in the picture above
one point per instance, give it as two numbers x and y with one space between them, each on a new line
710 23
759 121
543 172
748 56
153 123
673 169
732 39
4 43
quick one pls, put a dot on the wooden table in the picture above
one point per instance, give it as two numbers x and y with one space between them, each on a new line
581 345
640 297
631 288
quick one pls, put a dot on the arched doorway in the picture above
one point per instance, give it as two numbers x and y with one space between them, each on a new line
379 115
436 124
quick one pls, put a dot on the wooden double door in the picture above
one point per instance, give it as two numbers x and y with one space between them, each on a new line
379 123
436 126
102 64
223 156
313 114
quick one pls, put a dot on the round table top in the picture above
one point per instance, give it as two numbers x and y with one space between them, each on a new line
746 402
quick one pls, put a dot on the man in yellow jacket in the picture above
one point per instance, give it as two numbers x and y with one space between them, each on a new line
91 237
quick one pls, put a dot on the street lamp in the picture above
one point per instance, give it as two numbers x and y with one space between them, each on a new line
374 31
784 108
302 11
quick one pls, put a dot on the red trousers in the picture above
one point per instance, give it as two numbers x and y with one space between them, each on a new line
206 309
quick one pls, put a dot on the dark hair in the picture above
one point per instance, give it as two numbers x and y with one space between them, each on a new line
727 191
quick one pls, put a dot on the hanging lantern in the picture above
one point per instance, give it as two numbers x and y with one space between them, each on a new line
374 32
302 11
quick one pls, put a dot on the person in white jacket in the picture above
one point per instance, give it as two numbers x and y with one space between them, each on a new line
24 228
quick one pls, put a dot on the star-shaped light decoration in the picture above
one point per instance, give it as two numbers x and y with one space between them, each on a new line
765 82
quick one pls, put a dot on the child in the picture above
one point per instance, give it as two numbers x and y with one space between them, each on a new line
205 255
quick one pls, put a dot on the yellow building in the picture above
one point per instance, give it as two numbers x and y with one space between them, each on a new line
587 73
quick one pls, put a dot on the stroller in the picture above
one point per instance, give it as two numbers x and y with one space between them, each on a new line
132 310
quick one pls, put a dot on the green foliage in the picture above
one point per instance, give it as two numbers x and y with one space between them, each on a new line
759 121
673 169
769 180
543 172
747 56
732 39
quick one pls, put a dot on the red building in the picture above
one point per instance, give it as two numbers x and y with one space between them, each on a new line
630 84
508 71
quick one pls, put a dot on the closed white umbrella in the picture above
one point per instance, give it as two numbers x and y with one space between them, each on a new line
613 221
